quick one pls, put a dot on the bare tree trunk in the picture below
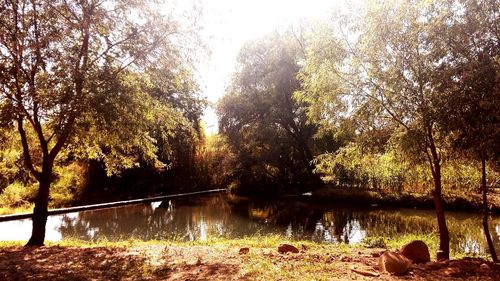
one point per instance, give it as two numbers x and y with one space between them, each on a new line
444 235
486 228
40 212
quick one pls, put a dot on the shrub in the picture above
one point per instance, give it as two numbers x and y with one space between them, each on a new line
69 185
17 194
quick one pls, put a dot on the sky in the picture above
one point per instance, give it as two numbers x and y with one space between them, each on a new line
229 24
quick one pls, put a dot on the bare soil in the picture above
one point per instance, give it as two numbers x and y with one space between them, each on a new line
159 262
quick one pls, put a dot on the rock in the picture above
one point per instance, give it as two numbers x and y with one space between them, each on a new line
287 248
417 251
244 250
394 263
484 267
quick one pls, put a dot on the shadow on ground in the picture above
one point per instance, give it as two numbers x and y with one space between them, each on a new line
67 263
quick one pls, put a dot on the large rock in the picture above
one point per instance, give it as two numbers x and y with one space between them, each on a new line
417 251
394 263
287 248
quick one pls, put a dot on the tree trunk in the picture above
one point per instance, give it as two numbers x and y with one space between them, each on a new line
486 228
444 235
40 211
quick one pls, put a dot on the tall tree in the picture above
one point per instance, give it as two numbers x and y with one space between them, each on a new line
71 72
264 125
471 82
177 87
386 67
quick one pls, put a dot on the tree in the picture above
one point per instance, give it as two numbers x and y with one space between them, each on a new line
264 125
381 69
176 87
75 72
471 79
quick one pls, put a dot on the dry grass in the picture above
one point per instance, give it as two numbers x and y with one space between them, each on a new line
212 260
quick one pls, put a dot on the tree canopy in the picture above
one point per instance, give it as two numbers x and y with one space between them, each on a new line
82 74
398 72
262 122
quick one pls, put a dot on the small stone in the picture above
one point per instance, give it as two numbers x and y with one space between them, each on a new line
417 251
394 263
484 267
244 250
287 248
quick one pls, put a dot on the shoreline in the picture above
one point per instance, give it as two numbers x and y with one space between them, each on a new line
405 200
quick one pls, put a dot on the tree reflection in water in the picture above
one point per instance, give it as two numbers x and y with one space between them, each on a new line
223 216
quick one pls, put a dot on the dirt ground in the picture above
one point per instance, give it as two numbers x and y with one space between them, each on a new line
159 262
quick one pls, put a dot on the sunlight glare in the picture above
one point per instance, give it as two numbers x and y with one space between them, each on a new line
229 24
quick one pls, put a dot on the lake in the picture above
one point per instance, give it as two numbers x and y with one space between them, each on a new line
222 215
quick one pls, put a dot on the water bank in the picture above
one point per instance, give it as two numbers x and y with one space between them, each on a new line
470 203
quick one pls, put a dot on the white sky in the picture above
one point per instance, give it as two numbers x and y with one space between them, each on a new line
228 24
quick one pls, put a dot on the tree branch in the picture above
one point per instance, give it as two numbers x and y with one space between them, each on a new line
26 150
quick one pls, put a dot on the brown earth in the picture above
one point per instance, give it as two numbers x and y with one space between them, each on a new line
159 262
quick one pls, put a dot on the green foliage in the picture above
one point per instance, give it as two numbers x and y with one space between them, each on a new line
17 194
390 171
416 92
10 154
69 185
92 80
353 168
267 130
470 107
216 162
129 113
102 93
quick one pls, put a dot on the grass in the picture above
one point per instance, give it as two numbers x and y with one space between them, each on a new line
255 242
311 267
263 262
175 259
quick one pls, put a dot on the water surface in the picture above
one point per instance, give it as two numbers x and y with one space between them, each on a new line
220 215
